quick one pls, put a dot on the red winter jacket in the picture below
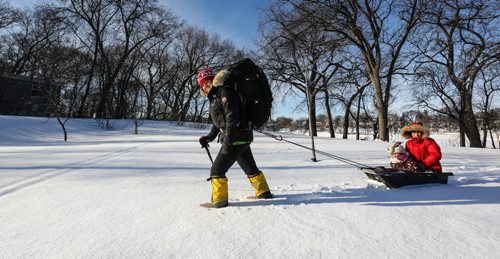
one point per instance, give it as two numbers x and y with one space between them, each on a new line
426 151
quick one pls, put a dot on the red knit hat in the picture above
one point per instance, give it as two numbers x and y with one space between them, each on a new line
415 126
205 74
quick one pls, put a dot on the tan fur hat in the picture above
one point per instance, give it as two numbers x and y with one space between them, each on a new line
415 126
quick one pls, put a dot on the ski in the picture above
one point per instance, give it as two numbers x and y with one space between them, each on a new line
207 205
254 197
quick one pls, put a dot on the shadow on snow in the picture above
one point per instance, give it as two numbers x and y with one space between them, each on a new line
422 195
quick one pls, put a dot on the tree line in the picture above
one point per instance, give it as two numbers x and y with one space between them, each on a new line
112 59
363 129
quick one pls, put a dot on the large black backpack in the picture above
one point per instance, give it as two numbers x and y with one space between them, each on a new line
251 84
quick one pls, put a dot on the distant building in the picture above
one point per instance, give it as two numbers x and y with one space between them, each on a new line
20 95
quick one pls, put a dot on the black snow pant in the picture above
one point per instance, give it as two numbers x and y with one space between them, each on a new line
241 154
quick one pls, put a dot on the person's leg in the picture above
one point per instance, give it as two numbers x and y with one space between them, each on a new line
220 194
246 161
219 180
255 176
222 163
218 172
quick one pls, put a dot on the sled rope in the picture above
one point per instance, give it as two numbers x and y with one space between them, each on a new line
345 160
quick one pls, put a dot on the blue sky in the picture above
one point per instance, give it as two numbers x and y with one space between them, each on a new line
236 20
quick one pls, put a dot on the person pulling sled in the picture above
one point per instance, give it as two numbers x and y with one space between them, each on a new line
231 122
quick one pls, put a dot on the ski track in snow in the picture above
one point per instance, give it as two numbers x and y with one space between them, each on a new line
49 174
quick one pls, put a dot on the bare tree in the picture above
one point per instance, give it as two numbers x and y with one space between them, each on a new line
8 14
460 38
90 21
489 88
350 86
35 30
114 31
153 72
379 30
8 17
56 63
433 90
298 55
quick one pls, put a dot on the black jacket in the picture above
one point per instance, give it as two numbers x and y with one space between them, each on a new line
228 117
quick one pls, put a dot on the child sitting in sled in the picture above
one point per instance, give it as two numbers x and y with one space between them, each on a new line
401 159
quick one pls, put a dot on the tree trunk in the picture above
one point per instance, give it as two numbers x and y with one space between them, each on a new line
149 106
312 113
101 111
358 115
461 126
471 125
329 115
383 133
485 131
88 83
473 131
376 129
492 140
346 121
63 127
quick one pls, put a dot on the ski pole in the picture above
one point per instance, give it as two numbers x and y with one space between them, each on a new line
211 160
208 153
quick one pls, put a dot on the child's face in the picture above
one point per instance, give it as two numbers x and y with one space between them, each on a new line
416 134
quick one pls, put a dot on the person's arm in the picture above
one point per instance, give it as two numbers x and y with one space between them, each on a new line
213 133
230 102
434 154
414 152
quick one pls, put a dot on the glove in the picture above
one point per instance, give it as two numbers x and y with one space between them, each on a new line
420 167
204 141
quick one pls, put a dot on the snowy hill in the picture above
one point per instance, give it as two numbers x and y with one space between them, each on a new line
113 194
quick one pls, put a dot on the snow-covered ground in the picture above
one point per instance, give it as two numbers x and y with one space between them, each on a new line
113 194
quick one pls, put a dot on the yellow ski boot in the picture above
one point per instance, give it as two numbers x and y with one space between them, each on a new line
219 193
259 182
